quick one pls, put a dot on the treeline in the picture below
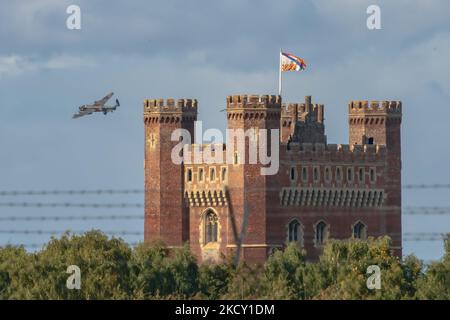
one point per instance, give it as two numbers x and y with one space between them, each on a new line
111 269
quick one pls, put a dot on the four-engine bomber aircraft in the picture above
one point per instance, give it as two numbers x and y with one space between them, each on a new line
97 106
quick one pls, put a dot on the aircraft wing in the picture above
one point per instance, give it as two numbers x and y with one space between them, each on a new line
103 100
82 113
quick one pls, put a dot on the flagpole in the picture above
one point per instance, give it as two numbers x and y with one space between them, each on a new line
279 75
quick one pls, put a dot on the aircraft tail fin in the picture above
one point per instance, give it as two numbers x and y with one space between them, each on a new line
117 103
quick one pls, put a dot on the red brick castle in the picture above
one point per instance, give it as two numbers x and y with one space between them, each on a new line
321 190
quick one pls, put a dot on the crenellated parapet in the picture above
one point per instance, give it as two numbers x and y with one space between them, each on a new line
375 108
170 110
253 107
332 152
254 101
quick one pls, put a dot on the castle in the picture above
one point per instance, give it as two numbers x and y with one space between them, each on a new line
320 191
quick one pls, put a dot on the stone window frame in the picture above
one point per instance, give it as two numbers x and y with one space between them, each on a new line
336 178
361 178
236 158
202 227
213 173
201 177
351 170
327 170
294 170
316 178
327 233
373 175
226 173
301 228
305 173
352 228
189 178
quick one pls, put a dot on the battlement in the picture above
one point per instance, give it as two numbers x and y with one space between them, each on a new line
333 152
292 109
298 111
254 101
375 107
170 105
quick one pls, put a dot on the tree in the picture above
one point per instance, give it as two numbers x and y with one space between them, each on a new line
103 263
436 282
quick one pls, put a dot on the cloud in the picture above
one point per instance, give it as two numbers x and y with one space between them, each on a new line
16 65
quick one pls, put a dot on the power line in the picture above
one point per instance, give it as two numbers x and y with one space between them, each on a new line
41 245
64 218
55 232
141 191
70 192
426 186
68 204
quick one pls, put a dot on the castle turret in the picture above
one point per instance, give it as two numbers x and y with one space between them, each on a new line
303 122
248 190
165 214
379 123
375 123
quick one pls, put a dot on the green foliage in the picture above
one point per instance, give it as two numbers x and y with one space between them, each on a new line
110 269
436 282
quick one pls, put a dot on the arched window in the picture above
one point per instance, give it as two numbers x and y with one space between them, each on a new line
338 174
224 174
292 174
212 174
321 233
211 226
189 175
359 231
327 174
200 174
370 140
361 175
316 174
349 174
372 175
294 231
304 174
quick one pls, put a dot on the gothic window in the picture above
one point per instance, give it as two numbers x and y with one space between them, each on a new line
359 231
189 175
305 174
211 227
372 175
349 174
338 174
321 233
212 174
200 174
292 174
224 174
316 174
327 174
294 231
361 175
236 158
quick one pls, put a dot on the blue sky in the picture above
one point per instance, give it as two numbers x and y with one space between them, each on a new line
207 50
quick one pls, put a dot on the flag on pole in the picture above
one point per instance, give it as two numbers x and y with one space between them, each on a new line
289 62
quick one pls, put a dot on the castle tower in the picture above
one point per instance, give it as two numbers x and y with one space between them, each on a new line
375 123
380 123
165 214
249 199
